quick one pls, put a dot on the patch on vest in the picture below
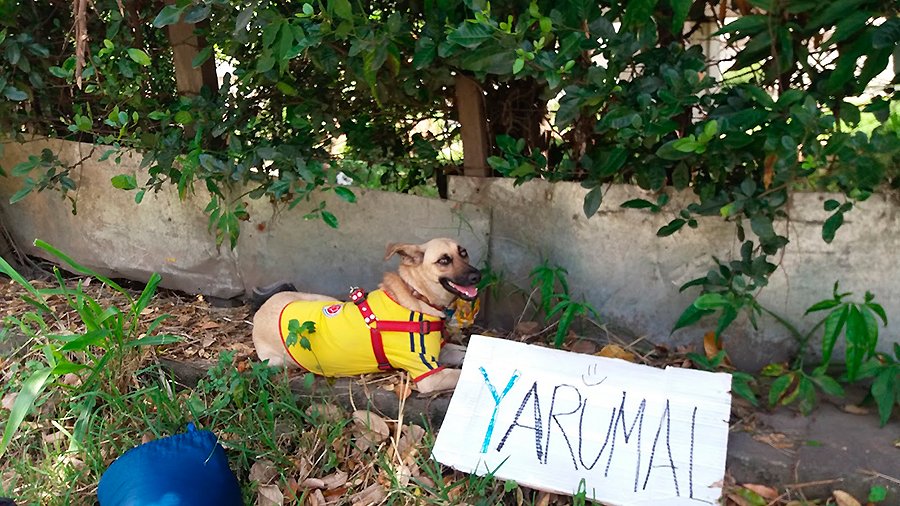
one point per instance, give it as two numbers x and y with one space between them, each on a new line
332 310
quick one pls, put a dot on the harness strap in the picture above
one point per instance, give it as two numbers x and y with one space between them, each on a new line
376 326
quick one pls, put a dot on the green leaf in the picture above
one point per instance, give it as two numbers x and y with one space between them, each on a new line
680 10
831 225
140 57
673 226
638 204
426 52
31 389
329 219
124 182
822 305
740 385
834 323
169 15
877 493
637 13
711 301
592 201
745 25
341 8
691 315
308 9
146 294
887 35
779 387
831 204
857 337
14 94
470 35
77 267
184 117
345 193
829 385
518 65
882 391
201 57
668 151
874 306
196 13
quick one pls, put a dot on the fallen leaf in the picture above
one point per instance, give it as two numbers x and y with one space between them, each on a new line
616 351
775 440
263 471
312 483
710 345
335 480
528 328
543 498
763 491
403 391
853 409
769 170
372 423
372 494
147 437
845 499
583 346
207 341
329 413
316 498
8 400
52 437
269 495
209 324
71 379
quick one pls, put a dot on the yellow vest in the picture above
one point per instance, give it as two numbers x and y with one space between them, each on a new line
341 344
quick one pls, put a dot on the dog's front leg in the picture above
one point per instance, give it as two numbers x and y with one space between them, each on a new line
445 379
452 355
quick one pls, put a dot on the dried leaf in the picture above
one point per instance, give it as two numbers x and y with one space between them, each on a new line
775 440
335 480
372 423
8 400
370 495
312 483
316 498
209 324
616 351
710 346
583 346
263 471
147 437
763 491
269 495
543 498
528 328
328 412
769 170
844 499
853 409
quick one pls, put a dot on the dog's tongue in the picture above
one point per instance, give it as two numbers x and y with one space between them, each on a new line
469 291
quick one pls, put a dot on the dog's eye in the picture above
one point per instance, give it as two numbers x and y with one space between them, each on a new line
445 260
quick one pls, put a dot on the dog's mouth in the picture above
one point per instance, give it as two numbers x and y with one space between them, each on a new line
461 291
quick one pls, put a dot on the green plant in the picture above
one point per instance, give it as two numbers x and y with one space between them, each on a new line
97 357
554 299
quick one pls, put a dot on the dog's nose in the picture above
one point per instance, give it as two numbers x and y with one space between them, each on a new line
474 277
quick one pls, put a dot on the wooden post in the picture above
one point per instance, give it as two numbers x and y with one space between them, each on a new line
186 46
473 127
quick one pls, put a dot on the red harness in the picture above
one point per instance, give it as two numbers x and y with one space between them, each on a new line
377 326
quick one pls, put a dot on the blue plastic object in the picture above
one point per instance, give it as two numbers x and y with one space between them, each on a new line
185 469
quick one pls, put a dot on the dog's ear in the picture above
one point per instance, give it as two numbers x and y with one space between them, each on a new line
410 254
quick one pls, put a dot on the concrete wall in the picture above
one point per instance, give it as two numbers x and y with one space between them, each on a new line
112 234
617 263
615 260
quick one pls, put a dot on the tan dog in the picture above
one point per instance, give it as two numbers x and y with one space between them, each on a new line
397 326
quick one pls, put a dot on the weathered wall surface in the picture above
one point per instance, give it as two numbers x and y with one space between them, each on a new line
615 260
112 234
631 276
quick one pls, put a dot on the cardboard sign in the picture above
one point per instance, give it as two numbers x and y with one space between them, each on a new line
553 420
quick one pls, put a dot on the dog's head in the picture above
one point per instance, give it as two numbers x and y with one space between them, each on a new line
439 269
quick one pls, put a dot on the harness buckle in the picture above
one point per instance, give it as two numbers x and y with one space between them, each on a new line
425 327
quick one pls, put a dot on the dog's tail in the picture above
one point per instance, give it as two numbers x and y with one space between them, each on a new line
260 294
